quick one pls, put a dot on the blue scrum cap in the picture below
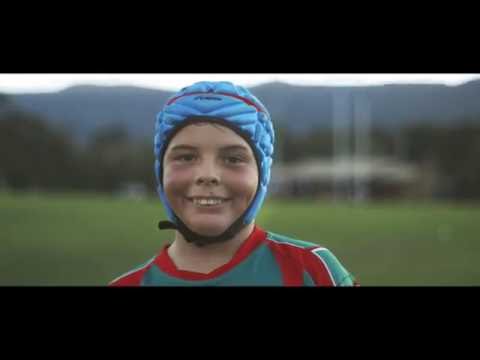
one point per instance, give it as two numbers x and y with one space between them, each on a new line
235 107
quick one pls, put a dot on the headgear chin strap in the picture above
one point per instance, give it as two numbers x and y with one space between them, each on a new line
202 240
229 105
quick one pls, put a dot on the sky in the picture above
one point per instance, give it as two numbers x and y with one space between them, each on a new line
34 83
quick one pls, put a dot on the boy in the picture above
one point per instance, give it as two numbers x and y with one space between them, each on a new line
214 147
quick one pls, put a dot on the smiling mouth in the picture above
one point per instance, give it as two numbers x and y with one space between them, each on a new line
207 201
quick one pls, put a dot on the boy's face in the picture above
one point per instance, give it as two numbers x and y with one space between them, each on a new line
210 177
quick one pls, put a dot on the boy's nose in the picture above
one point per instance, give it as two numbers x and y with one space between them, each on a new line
207 180
207 173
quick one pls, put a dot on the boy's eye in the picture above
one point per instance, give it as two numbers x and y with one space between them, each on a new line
185 157
233 160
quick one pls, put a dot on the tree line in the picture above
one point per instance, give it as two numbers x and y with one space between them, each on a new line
35 155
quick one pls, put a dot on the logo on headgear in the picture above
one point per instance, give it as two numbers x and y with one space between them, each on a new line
207 98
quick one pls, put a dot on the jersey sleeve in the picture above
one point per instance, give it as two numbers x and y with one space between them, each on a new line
325 269
133 277
129 279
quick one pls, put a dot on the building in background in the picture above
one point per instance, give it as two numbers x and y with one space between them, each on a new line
383 178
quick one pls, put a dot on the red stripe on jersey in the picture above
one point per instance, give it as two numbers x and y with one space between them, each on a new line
289 258
133 278
317 269
295 260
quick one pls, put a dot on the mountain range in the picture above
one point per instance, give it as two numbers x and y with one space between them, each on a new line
81 110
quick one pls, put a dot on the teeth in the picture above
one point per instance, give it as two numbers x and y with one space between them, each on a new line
207 202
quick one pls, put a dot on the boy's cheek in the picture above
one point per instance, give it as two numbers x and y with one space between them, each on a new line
243 188
176 180
245 182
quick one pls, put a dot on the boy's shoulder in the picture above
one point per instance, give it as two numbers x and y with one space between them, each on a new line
285 240
318 261
133 277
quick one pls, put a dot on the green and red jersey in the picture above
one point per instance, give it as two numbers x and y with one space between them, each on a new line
264 259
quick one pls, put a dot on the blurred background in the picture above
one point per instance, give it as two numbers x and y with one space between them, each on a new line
383 169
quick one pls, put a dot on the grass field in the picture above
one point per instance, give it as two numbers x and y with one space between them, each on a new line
79 239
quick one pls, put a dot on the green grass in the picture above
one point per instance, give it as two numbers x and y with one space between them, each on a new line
395 244
80 239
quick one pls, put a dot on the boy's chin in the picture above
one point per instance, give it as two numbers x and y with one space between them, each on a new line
206 229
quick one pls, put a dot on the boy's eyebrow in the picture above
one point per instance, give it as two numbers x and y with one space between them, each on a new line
182 147
233 147
223 148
